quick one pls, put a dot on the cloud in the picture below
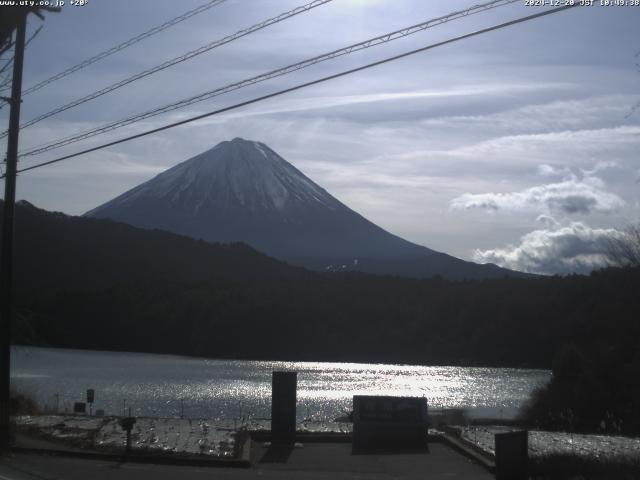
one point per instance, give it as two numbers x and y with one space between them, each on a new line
551 171
542 116
533 145
576 248
396 142
547 220
570 196
398 101
599 167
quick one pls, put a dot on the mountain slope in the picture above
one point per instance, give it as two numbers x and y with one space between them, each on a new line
54 250
243 191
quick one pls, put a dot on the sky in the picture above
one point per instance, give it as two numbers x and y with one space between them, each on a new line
519 147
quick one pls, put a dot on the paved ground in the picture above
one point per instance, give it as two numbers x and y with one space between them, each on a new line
332 461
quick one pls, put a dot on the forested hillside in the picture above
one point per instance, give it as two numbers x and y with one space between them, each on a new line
88 283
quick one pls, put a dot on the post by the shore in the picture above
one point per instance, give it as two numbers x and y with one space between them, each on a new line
512 455
283 407
14 18
127 424
6 260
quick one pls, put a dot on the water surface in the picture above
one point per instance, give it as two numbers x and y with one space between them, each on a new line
167 386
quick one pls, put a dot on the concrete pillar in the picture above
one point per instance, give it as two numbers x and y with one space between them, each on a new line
512 455
283 407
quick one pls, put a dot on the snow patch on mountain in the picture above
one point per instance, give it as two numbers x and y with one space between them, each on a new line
244 173
242 190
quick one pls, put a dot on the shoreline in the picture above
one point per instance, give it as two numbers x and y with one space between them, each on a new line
349 361
564 455
170 435
218 438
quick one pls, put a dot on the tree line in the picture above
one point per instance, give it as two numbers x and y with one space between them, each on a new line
85 283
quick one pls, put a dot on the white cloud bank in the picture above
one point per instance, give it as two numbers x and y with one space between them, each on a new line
575 248
569 196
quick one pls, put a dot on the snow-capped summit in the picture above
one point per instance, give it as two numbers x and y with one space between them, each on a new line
242 190
237 174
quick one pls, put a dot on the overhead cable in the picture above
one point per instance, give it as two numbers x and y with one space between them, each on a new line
301 86
7 81
387 37
123 45
10 61
176 60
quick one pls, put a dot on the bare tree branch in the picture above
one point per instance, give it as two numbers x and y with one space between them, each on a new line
624 248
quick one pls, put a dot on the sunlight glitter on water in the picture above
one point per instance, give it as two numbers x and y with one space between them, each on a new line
164 385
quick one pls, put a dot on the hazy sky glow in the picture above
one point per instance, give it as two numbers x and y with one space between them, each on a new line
518 147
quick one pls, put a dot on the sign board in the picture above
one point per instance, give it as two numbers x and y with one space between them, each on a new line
79 407
100 413
512 455
127 423
283 406
389 423
90 395
389 409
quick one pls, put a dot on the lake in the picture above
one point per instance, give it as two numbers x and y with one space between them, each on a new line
167 386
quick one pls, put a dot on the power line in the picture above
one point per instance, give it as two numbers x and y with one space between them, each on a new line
176 60
303 85
6 65
33 35
123 45
388 37
10 61
7 79
6 48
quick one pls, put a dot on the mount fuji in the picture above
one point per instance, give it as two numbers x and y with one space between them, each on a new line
243 191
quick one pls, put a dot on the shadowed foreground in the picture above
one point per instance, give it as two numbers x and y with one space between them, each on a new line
312 461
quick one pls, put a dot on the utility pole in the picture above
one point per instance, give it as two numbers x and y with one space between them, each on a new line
6 254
